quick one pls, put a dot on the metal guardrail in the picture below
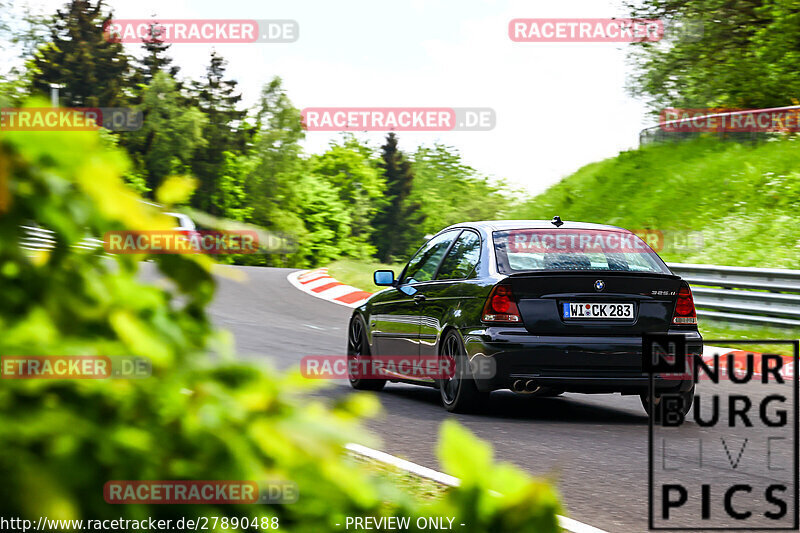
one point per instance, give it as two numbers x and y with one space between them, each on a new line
35 238
765 296
661 132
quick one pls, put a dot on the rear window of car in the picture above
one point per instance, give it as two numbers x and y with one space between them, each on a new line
569 249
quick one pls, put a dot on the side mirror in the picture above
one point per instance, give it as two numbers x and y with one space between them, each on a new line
383 278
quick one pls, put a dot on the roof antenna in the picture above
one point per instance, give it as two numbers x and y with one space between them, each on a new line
557 221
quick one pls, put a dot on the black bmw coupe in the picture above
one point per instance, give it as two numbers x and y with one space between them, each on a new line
538 307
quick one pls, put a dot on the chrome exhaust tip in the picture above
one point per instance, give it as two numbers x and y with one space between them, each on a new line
518 386
531 386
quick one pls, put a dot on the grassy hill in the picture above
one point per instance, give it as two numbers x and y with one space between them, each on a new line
744 198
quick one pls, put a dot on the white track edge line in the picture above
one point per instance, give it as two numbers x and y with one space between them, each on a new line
408 466
564 522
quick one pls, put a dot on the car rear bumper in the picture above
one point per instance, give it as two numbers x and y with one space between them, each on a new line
596 364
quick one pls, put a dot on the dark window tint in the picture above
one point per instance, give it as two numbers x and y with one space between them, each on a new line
574 249
423 265
462 257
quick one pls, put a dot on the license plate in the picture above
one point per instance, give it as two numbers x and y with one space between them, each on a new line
598 310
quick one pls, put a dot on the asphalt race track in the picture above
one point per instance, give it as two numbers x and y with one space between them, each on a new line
593 447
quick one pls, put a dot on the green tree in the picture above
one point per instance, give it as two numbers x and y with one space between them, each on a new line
170 135
273 183
29 31
349 166
399 225
450 191
275 169
155 58
224 130
326 222
230 197
94 70
732 54
21 39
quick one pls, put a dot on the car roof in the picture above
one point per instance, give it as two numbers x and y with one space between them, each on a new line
500 225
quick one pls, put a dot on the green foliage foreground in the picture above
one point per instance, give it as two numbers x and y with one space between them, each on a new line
195 418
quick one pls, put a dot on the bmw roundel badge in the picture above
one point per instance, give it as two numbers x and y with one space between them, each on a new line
599 285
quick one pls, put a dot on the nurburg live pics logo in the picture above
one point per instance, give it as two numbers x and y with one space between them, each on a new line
736 466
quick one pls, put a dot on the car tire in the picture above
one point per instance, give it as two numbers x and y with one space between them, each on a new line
459 393
687 396
358 350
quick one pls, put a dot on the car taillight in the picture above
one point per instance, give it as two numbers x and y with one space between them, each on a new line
684 307
500 306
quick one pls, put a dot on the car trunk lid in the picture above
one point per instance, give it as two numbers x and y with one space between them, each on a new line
548 302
